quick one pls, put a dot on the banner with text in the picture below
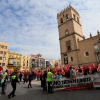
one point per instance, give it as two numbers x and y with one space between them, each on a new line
81 82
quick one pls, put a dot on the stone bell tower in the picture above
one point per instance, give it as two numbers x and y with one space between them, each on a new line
70 32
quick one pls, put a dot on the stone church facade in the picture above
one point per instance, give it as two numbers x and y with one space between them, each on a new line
75 49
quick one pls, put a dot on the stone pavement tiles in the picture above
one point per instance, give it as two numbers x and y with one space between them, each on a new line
36 93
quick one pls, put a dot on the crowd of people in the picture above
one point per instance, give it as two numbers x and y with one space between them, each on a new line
13 78
46 76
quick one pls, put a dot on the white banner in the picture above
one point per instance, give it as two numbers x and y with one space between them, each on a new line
77 83
96 81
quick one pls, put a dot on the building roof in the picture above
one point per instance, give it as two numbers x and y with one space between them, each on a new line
89 38
32 55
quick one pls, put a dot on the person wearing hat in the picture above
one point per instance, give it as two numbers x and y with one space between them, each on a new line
14 80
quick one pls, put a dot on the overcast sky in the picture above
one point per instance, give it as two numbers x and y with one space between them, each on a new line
30 26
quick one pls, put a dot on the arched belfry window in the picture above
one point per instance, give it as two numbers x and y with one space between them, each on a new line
66 32
67 17
61 20
77 19
74 16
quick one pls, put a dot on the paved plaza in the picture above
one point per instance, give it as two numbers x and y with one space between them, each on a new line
36 93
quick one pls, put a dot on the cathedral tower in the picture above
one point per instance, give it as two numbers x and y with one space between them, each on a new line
70 32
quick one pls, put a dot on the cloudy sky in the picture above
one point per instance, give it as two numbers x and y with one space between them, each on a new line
30 26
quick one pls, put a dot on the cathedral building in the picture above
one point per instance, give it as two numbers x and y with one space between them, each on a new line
75 49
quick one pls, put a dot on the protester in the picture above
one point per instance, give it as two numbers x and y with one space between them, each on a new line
34 75
75 73
14 80
44 80
58 76
38 75
67 74
49 81
54 74
9 78
0 79
72 74
25 77
62 73
79 69
41 79
30 78
4 78
86 70
20 77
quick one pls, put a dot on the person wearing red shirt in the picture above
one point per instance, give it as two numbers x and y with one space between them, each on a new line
25 77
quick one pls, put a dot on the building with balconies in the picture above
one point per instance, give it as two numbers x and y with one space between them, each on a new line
37 61
25 63
14 60
3 54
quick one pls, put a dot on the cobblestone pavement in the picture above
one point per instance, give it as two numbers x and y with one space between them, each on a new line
36 93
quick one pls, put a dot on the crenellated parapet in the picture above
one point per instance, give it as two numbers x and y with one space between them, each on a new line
68 7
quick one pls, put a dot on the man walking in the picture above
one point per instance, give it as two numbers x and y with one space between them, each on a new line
49 81
30 78
14 80
20 77
44 81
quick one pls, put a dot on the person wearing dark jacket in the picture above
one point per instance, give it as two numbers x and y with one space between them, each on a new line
14 80
44 77
20 77
30 78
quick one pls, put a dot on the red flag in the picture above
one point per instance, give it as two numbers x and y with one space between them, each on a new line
85 67
91 67
67 67
61 67
63 72
56 68
98 67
